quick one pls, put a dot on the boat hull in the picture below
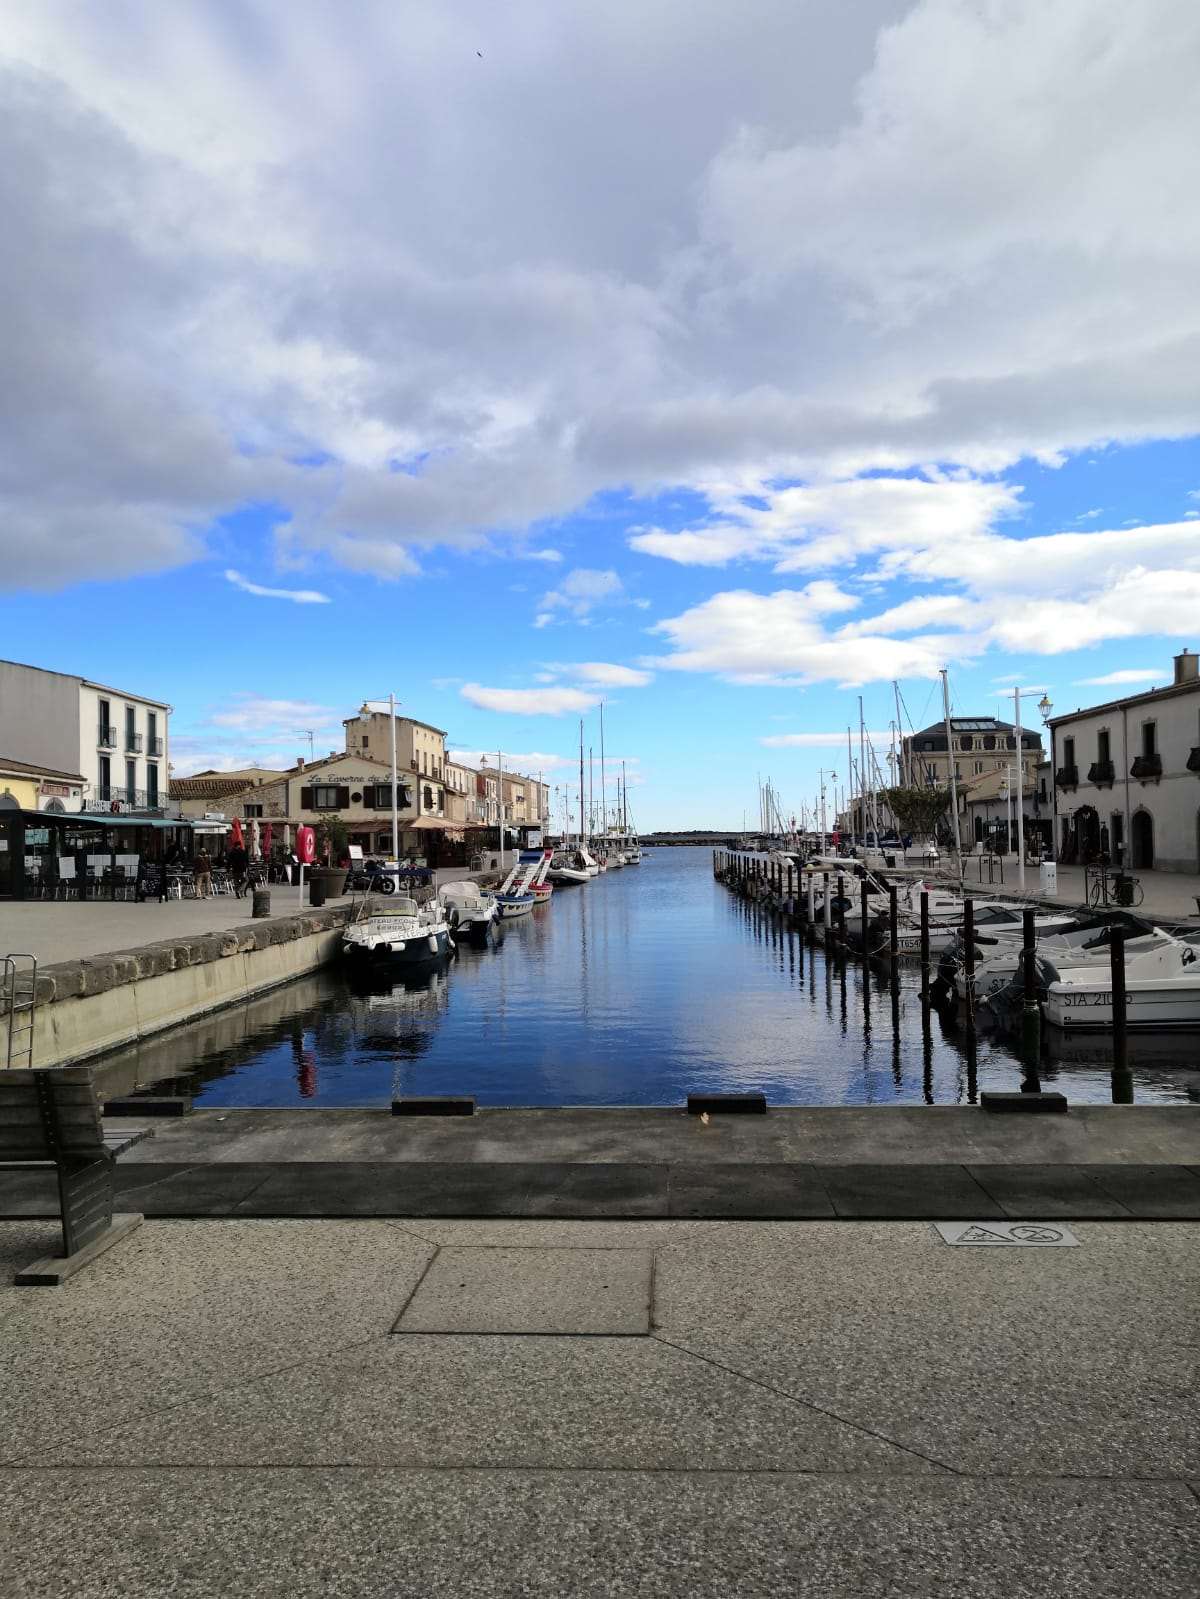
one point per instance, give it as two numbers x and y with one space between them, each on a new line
422 950
1149 1007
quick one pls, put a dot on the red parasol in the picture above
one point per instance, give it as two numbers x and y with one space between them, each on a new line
266 839
237 832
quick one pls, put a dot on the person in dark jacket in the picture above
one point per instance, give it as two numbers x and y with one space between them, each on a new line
238 863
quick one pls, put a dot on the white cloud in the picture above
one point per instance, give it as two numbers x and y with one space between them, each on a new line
819 740
529 701
252 712
605 674
297 596
579 593
1130 675
779 263
527 764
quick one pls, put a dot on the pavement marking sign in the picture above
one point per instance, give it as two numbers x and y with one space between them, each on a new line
988 1234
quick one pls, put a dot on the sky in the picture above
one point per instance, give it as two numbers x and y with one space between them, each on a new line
720 363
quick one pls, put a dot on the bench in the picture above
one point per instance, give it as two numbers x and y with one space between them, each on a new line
51 1116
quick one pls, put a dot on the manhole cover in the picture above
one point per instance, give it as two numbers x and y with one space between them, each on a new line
568 1292
992 1234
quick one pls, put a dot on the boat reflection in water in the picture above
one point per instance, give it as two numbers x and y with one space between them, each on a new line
638 990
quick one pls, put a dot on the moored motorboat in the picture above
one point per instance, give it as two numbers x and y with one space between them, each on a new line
404 935
513 897
470 911
1162 992
567 866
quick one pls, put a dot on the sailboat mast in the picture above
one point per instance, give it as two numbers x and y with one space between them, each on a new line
581 790
603 780
950 764
624 801
591 792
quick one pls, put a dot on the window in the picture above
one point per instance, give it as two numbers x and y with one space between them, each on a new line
151 785
1010 742
966 743
105 778
1102 746
365 742
989 741
130 728
978 768
428 797
131 782
1149 738
253 810
104 723
324 797
1068 752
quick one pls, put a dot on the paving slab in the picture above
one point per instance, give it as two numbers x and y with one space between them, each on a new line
1152 1191
769 1190
494 1403
1046 1192
868 1192
589 1292
541 1534
996 1361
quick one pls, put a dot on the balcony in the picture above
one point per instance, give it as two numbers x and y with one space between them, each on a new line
1102 773
1147 768
1067 777
1193 760
154 746
106 737
116 797
133 743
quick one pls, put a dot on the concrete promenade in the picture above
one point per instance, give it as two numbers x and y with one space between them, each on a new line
667 1410
1170 896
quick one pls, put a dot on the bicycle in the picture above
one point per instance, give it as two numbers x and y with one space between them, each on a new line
1124 891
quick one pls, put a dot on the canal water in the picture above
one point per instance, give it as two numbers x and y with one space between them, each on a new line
644 985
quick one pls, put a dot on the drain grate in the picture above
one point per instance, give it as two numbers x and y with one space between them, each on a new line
1007 1234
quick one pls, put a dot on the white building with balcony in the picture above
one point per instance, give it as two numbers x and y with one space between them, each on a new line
1127 777
118 741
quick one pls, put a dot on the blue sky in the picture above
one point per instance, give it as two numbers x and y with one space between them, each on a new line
824 362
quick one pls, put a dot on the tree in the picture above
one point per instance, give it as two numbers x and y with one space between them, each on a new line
334 838
918 810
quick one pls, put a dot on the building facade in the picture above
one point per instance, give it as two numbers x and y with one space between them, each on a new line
420 747
39 788
982 745
1127 777
118 742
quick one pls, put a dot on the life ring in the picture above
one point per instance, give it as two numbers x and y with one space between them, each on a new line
115 807
387 885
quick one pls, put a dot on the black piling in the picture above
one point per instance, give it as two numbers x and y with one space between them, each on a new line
1031 1020
862 915
894 933
1122 1077
969 958
925 994
840 914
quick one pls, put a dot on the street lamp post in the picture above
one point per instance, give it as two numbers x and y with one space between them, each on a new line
1045 706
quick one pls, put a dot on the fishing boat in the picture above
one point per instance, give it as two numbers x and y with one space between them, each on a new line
470 911
514 898
1162 993
403 935
538 862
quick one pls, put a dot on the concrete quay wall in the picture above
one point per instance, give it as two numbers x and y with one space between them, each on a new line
86 1007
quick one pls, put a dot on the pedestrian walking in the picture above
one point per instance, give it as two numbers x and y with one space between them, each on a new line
238 861
203 871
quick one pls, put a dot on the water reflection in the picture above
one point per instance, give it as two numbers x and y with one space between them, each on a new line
639 988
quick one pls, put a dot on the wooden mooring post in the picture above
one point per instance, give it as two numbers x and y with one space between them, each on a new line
1122 1077
969 958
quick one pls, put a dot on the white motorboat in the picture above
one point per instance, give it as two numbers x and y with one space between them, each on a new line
947 912
470 911
567 866
1000 972
1162 992
403 935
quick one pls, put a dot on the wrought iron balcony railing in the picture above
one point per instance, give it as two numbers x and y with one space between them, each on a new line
1146 767
1102 773
106 737
1067 777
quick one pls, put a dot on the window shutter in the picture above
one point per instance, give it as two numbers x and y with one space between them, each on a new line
306 803
343 798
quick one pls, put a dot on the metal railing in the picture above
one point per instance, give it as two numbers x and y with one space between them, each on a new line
106 737
133 743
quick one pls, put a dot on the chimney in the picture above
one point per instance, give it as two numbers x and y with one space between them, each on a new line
299 763
1187 667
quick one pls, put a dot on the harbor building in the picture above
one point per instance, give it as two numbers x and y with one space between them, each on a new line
116 741
1127 777
420 747
982 745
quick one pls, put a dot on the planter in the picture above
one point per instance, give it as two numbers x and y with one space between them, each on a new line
327 881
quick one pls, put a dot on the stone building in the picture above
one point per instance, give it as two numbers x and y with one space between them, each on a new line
116 741
1127 777
982 745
